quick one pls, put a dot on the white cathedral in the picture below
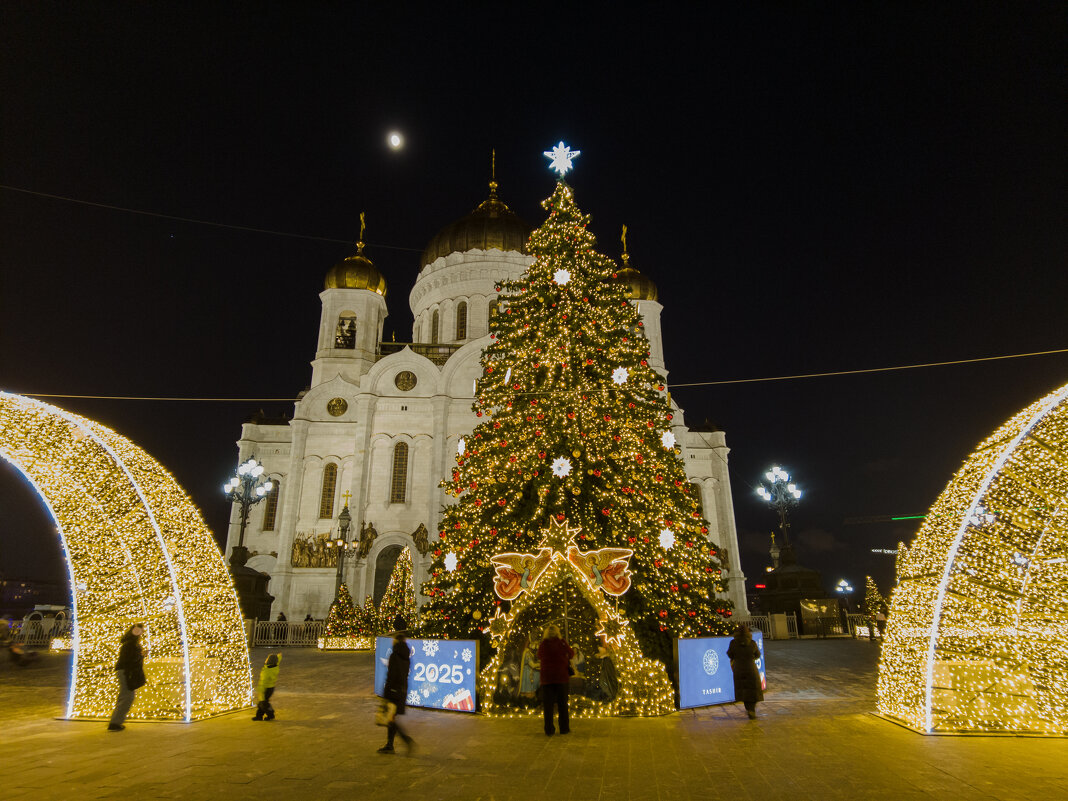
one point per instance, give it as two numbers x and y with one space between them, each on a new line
377 430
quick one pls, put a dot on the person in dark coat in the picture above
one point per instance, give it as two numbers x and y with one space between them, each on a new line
396 690
130 671
554 656
744 653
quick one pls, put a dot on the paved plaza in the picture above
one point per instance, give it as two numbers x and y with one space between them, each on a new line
816 738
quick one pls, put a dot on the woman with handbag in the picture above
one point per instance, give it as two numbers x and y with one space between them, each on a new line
130 671
744 653
395 693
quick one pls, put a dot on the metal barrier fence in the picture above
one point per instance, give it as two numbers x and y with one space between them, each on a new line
39 633
760 623
791 625
283 634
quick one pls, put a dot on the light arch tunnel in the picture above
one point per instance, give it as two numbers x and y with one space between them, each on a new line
137 551
977 638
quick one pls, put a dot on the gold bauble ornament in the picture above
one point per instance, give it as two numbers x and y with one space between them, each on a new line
476 615
576 454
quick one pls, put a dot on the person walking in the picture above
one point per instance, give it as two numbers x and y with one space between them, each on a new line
744 653
554 655
265 688
396 691
130 671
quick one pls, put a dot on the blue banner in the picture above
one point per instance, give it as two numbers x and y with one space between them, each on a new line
705 676
442 673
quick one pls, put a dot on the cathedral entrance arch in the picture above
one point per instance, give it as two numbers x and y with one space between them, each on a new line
978 633
137 551
384 564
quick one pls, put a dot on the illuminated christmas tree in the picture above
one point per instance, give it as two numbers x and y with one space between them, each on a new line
399 599
574 431
341 622
873 602
365 618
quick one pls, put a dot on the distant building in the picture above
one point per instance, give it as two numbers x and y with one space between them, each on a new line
379 424
19 596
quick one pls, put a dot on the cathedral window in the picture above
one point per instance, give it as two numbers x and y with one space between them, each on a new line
461 320
326 499
434 320
398 487
345 335
271 510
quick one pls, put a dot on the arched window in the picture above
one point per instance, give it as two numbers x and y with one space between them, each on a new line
384 564
345 335
326 500
461 320
695 493
434 328
398 487
271 504
494 310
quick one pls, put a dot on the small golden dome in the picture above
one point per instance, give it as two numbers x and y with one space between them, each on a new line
356 272
638 286
491 225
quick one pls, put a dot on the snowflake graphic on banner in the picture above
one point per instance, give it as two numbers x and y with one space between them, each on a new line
467 654
710 662
413 697
430 647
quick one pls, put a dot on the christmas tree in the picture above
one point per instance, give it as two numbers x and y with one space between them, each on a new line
873 603
343 627
365 618
575 431
342 618
399 600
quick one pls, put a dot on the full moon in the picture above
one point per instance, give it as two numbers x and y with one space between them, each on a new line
396 141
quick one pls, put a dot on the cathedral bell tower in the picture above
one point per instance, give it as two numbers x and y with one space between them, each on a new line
354 311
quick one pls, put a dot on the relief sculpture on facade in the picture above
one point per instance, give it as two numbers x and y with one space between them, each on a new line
312 551
367 539
421 539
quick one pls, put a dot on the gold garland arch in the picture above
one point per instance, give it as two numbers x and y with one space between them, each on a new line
137 550
977 638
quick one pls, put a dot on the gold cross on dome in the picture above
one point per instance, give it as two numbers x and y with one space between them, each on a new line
558 537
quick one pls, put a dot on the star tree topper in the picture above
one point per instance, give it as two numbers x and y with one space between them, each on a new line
560 158
559 537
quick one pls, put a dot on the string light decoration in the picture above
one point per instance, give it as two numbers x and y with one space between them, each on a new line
563 591
977 638
547 396
137 551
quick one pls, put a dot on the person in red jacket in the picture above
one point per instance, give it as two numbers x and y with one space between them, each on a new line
555 655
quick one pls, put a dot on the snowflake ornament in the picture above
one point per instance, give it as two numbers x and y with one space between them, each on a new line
508 375
561 467
561 276
461 446
560 158
450 562
620 375
667 539
668 440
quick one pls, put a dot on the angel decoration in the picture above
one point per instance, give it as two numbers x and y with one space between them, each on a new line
517 572
606 569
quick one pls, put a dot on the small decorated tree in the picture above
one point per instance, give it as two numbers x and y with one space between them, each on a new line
399 600
873 604
365 618
341 621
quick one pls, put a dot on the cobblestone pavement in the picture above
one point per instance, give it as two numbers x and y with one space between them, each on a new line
815 739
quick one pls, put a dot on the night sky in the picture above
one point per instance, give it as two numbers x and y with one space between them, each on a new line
812 188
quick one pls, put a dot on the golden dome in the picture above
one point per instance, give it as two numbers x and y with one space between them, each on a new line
491 225
638 286
356 272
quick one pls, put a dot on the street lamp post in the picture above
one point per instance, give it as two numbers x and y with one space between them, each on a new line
344 520
780 494
246 489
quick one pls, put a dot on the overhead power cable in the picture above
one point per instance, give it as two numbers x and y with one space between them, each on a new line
672 386
197 222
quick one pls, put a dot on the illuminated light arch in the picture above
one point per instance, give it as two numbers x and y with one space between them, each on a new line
137 550
978 633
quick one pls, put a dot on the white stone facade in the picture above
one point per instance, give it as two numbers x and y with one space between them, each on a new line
383 412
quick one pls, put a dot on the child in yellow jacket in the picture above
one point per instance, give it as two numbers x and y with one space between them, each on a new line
265 688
